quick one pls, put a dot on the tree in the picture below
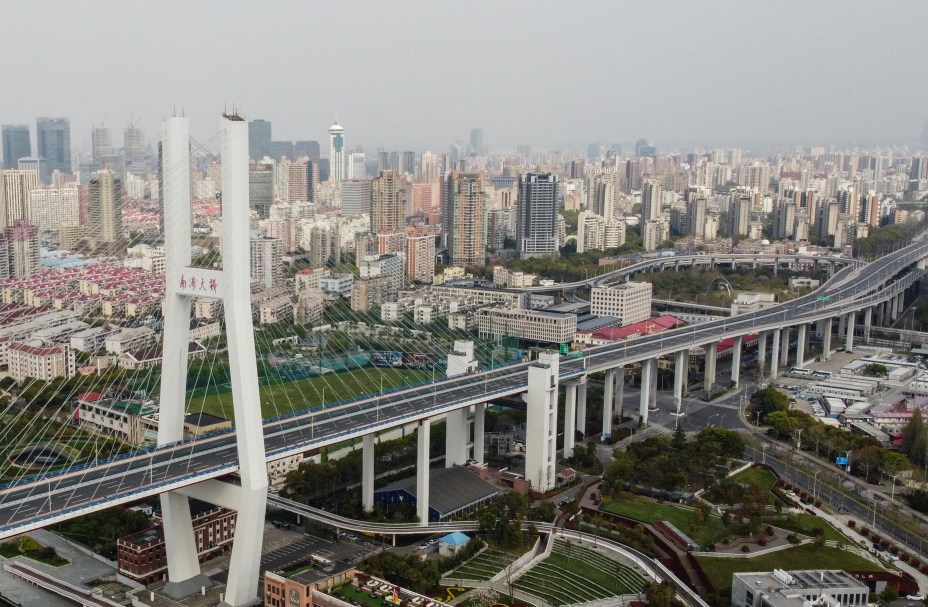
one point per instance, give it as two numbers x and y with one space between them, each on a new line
769 400
875 370
868 459
482 597
660 595
781 424
912 433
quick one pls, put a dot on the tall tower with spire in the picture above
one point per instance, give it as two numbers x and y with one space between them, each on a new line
337 164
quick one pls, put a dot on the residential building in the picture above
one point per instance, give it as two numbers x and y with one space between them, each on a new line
15 186
420 258
20 249
301 181
653 233
536 228
651 196
105 209
37 164
591 230
266 265
16 144
130 339
53 207
388 193
530 325
36 360
356 197
628 301
739 214
463 199
133 143
337 285
101 143
53 138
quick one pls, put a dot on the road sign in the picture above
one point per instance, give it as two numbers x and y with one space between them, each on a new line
841 461
565 348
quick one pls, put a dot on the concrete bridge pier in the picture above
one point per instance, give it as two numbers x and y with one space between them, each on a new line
826 339
736 361
842 325
761 354
618 406
784 347
423 435
680 375
801 339
608 398
709 375
868 322
570 417
647 370
849 334
581 405
479 424
367 472
774 354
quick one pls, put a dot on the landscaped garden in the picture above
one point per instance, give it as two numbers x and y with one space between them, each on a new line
484 566
575 574
30 548
702 528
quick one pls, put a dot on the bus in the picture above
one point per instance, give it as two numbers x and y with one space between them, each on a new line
800 371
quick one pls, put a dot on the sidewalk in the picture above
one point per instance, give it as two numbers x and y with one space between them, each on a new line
840 523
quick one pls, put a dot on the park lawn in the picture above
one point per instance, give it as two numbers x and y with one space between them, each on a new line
763 477
719 570
10 550
682 518
805 523
290 396
583 571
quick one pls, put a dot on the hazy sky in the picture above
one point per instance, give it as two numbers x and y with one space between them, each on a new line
417 75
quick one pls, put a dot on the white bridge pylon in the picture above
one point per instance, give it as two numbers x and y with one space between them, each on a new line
231 285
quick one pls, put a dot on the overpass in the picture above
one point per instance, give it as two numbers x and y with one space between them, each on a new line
177 470
679 261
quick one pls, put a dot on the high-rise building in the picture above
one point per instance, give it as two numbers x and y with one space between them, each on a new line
133 144
101 143
651 194
420 258
301 184
429 169
337 159
15 186
266 264
463 200
259 139
53 139
356 197
784 219
590 232
37 164
653 233
52 208
357 167
309 149
696 217
261 189
104 208
388 208
16 144
739 214
536 228
476 141
23 241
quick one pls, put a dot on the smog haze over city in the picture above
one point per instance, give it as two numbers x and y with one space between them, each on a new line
420 74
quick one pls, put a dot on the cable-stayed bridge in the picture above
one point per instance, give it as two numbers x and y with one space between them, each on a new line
178 469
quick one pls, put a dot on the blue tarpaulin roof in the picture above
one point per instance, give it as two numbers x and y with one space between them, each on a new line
455 538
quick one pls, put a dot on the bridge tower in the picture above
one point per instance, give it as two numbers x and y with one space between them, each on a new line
231 285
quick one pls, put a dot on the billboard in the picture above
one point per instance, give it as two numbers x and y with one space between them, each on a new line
380 358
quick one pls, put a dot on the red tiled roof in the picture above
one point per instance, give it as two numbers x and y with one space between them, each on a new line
90 396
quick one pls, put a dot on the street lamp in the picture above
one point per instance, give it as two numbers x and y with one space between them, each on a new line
764 447
815 485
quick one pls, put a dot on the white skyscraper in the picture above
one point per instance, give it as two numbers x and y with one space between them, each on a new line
337 164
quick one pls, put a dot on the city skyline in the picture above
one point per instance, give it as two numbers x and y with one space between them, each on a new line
673 73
